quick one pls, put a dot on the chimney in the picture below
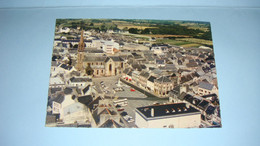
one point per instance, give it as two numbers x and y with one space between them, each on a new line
152 112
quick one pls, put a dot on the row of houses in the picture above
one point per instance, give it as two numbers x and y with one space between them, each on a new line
155 84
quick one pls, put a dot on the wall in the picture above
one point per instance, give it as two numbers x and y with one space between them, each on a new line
189 121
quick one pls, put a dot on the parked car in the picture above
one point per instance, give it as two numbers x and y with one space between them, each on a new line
123 114
118 106
120 109
130 120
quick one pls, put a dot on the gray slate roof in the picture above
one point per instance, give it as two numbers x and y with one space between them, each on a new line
205 85
73 79
95 59
114 58
130 73
144 74
192 64
151 79
86 89
163 79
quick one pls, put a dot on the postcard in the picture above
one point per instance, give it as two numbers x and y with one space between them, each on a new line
133 73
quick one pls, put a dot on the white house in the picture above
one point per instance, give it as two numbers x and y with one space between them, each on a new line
56 81
205 88
80 81
160 50
76 112
64 30
109 46
150 83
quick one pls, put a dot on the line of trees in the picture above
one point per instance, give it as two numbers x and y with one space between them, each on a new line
173 30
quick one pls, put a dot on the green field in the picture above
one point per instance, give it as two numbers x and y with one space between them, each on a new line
177 43
196 41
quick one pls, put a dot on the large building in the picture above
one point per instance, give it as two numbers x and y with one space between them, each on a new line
176 115
101 65
163 86
105 65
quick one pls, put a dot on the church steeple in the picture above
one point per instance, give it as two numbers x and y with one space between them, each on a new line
81 54
81 45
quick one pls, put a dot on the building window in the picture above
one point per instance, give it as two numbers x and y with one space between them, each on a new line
96 63
110 67
122 65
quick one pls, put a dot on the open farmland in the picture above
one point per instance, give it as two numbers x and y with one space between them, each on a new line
194 26
197 41
133 26
124 24
172 42
166 35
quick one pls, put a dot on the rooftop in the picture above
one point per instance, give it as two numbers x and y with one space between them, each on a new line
86 89
163 79
114 58
206 85
165 110
151 78
73 79
144 74
95 58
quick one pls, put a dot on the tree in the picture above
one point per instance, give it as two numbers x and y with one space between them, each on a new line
146 31
89 70
103 27
75 46
133 30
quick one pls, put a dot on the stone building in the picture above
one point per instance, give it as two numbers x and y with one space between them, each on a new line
163 86
105 65
81 53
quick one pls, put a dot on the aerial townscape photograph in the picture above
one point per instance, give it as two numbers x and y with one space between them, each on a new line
133 73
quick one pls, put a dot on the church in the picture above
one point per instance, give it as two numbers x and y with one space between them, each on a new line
98 65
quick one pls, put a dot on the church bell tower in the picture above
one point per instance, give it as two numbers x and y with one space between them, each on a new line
81 48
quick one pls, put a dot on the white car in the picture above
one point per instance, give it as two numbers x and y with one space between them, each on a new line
130 120
126 117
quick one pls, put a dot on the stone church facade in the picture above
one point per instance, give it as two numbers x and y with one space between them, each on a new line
99 65
105 65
